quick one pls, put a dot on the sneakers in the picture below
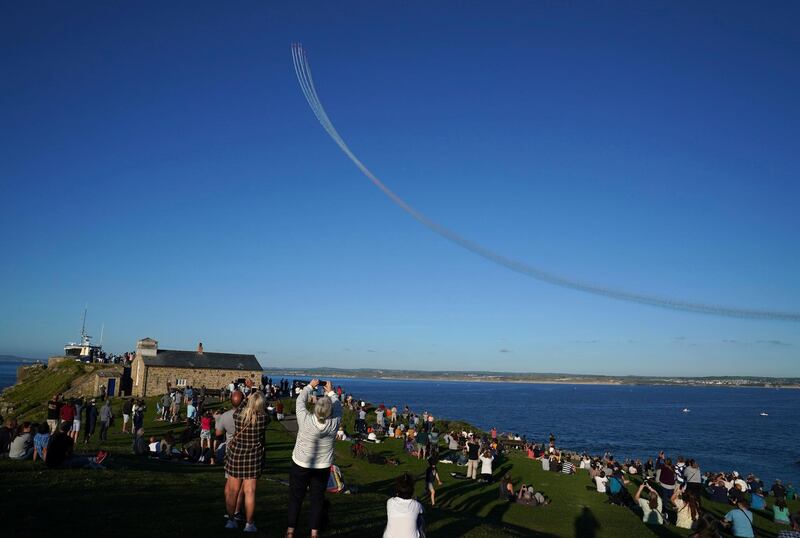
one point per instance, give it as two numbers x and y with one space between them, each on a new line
231 524
250 527
239 517
101 456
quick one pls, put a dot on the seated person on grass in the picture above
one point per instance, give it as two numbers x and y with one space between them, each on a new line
40 441
22 445
757 500
717 490
780 512
506 489
166 445
60 456
601 482
617 492
740 520
140 447
403 512
652 508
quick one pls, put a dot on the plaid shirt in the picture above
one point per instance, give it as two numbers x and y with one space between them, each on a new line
244 457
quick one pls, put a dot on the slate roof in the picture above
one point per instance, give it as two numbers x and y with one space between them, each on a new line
193 359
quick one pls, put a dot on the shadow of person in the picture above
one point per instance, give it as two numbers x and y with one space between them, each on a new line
586 525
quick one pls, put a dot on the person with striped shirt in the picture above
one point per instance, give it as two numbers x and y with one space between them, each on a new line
567 467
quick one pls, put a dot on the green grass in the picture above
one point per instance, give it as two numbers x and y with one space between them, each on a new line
29 398
154 498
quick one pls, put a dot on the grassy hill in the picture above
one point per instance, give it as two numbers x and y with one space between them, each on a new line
40 384
154 498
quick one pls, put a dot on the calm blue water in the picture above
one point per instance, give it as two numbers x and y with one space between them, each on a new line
8 373
723 430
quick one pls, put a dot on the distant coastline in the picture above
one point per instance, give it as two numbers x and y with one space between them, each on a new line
545 378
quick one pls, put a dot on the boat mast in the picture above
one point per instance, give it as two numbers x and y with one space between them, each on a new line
83 327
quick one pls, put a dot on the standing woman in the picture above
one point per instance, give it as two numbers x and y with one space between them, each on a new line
693 479
486 466
666 479
313 454
244 458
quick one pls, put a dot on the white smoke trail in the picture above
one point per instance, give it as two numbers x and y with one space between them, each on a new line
303 71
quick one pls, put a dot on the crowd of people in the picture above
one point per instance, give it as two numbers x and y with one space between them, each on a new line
671 491
668 491
99 356
53 440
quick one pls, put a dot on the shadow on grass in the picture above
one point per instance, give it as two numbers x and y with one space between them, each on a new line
586 525
460 524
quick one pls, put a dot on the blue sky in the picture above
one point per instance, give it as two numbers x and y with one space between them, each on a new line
160 164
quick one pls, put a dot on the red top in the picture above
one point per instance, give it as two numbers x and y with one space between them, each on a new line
205 423
68 412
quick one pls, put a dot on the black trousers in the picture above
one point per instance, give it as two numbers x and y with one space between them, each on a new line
88 431
313 480
103 430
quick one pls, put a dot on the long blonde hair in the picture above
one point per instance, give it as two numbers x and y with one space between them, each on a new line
253 409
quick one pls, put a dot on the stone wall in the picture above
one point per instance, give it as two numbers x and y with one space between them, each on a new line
55 359
25 370
87 385
156 378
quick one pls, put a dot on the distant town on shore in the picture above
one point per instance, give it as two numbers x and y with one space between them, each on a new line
515 377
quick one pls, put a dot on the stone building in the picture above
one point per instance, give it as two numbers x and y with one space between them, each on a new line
110 380
155 370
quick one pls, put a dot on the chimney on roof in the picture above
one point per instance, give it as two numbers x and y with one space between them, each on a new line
200 347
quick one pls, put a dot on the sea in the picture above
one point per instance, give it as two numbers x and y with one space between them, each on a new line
723 429
8 372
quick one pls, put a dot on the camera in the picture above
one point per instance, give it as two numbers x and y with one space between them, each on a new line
322 383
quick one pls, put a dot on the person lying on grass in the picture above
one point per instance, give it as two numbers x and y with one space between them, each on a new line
530 497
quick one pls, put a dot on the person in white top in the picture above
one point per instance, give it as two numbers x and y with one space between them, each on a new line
486 466
313 454
403 512
601 482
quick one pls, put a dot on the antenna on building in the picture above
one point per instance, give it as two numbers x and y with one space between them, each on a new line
102 330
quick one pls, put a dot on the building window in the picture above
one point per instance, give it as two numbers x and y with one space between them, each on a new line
180 383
